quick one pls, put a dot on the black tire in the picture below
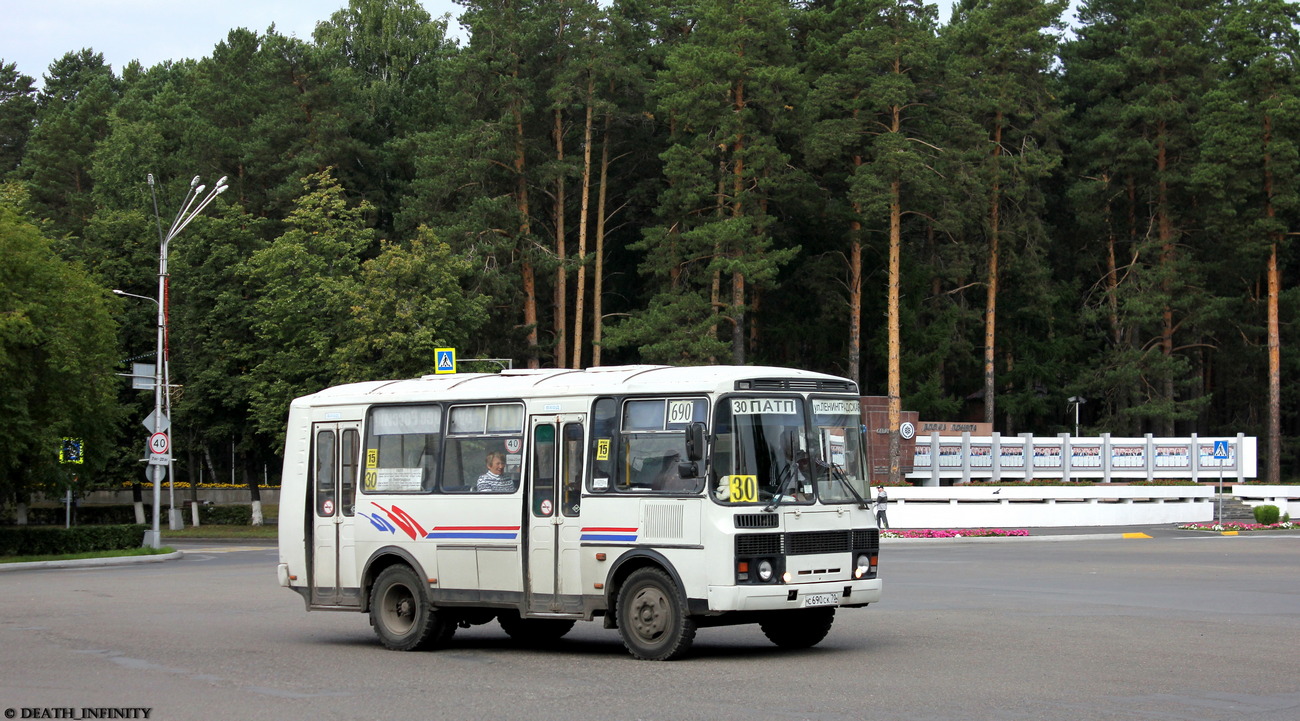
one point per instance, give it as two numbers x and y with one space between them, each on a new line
534 631
801 628
652 617
401 613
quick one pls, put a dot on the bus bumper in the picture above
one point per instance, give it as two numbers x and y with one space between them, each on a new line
780 597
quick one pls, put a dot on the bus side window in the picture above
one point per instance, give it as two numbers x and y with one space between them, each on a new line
604 444
544 471
571 502
401 450
324 470
476 435
348 467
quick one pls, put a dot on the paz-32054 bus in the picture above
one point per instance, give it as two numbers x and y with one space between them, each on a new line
658 499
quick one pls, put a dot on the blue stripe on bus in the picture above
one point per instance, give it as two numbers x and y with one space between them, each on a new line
465 534
608 537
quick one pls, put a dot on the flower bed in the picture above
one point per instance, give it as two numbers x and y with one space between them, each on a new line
1233 526
955 533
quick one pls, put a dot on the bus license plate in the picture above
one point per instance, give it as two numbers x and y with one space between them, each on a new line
821 599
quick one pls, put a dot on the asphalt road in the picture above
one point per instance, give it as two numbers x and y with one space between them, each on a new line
1180 626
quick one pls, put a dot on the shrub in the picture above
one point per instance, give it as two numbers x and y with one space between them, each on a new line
1267 515
46 541
83 515
239 515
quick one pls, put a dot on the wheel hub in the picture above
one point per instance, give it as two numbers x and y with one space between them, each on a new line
649 613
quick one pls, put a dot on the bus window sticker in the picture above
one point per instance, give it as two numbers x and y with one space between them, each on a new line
744 489
681 411
372 458
602 449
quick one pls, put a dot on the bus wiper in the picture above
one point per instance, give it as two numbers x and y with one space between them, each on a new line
838 474
789 475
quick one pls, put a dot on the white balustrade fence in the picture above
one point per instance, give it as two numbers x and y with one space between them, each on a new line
1025 457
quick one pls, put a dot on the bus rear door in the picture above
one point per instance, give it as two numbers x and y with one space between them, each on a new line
334 464
554 509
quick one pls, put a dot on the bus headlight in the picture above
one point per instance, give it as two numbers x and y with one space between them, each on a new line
863 563
765 570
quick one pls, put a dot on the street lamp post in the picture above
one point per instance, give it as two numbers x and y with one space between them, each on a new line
1076 401
159 378
191 206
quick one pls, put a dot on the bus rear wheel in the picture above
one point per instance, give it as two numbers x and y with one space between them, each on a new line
401 613
652 617
802 628
533 631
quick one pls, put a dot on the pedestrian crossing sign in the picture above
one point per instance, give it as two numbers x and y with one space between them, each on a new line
445 360
1221 450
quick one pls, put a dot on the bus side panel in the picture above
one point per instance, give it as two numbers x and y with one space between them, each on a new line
467 542
293 522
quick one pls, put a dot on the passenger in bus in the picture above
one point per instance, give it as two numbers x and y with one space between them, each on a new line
493 480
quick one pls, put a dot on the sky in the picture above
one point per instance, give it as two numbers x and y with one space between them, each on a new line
35 34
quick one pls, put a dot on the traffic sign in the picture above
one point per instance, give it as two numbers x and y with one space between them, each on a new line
1220 450
70 451
159 444
444 360
159 459
164 423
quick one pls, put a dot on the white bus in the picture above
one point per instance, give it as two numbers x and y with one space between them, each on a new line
656 498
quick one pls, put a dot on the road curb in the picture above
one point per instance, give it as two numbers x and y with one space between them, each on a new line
92 562
1013 539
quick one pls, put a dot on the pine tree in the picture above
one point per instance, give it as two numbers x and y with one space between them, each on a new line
1251 153
1137 72
71 119
999 54
727 91
17 115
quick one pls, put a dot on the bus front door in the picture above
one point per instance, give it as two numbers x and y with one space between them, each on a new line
334 468
554 515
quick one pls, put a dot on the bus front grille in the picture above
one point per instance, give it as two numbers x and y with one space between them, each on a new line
758 544
809 542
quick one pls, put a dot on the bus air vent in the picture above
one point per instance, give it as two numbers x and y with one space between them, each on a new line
757 520
798 384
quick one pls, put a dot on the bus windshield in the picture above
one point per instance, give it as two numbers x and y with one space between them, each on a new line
837 425
771 450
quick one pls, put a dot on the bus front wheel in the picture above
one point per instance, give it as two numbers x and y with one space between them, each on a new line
802 628
401 613
652 616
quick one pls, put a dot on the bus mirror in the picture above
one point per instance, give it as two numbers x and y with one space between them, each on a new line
695 441
688 469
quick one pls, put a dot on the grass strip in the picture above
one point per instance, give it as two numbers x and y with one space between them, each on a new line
89 554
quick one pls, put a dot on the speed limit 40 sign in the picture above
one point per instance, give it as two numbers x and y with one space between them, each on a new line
158 443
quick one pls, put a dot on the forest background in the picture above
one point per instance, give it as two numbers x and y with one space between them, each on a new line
981 219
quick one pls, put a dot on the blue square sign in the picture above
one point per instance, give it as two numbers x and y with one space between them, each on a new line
444 360
1221 450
